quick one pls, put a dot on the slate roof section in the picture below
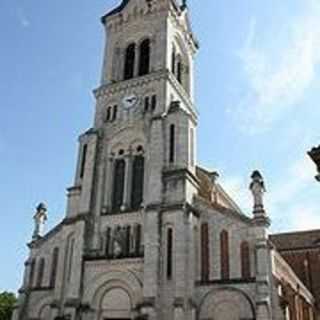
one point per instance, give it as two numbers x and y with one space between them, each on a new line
122 5
296 240
116 10
208 181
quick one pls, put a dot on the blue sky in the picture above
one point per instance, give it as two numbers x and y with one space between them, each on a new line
257 84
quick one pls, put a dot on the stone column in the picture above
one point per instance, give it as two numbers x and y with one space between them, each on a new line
263 269
107 205
151 260
128 181
263 255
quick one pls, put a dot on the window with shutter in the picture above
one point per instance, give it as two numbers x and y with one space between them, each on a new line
245 260
205 265
224 244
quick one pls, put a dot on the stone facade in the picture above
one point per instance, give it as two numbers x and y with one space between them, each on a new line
148 234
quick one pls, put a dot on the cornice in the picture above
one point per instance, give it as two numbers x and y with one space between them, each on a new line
67 221
232 281
110 89
180 173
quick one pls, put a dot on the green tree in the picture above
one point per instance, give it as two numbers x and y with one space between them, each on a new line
7 301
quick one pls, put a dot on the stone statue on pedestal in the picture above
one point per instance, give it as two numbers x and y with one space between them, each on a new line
39 218
258 189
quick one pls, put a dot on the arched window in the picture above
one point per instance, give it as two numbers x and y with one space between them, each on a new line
172 143
153 102
40 272
129 64
137 182
118 185
83 160
224 251
109 114
54 267
115 113
205 257
70 259
146 104
31 274
173 61
169 253
144 59
179 71
245 260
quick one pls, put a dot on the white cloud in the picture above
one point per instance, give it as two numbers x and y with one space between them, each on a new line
305 217
23 19
237 188
280 72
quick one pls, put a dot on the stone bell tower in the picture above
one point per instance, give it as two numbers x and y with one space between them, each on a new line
137 165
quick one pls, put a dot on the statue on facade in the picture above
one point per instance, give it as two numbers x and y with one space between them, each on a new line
39 218
118 246
258 189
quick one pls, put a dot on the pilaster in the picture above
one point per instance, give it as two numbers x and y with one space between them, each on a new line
128 182
108 185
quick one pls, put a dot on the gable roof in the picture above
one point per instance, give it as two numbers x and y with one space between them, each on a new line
208 184
296 240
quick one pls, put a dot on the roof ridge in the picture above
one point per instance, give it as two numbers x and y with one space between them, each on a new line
296 232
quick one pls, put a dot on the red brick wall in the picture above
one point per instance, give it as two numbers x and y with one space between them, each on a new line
306 264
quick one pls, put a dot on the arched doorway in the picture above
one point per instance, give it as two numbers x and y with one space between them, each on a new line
227 304
113 295
45 312
116 305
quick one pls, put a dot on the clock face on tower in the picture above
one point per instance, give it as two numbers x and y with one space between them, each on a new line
130 101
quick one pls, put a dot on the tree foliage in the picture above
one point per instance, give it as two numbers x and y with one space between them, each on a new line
7 301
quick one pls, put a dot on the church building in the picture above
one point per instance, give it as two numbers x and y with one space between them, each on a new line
148 233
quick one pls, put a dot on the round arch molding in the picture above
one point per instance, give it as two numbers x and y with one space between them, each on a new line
226 304
42 308
101 285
